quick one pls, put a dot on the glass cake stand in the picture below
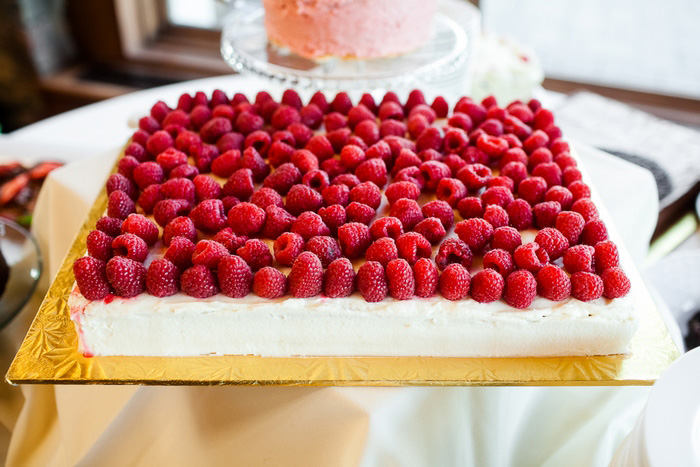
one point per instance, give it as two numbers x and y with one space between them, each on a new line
442 62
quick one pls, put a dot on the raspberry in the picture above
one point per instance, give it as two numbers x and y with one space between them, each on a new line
227 163
319 100
386 227
269 283
426 278
615 283
532 189
306 276
380 150
240 184
392 128
496 216
282 179
349 180
390 110
333 167
339 280
120 182
368 101
579 258
302 134
279 153
433 172
586 208
382 250
206 188
451 251
500 261
455 163
586 286
248 122
180 252
440 107
231 241
130 246
354 239
522 112
416 125
372 170
265 197
91 277
431 228
451 190
501 182
126 166
209 253
284 116
287 247
410 174
302 198
545 214
366 193
171 158
333 216
311 116
256 253
199 116
569 172
398 190
120 205
99 245
506 238
358 114
493 146
320 147
408 212
339 139
326 248
137 153
516 171
400 278
412 246
550 172
487 286
530 256
341 103
372 282
203 156
252 160
316 179
126 276
357 141
519 214
492 125
162 278
594 231
475 232
310 224
456 141
606 256
185 171
539 156
109 225
209 215
470 207
283 136
406 158
579 190
199 282
187 140
159 142
474 176
513 155
570 224
552 241
520 289
304 160
178 188
553 283
235 277
358 212
179 227
246 219
537 139
277 220
454 282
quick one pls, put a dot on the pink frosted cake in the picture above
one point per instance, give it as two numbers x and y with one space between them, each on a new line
345 28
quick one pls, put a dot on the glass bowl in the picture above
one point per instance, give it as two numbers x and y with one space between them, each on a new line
21 253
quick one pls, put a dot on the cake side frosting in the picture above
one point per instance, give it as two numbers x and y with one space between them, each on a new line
343 28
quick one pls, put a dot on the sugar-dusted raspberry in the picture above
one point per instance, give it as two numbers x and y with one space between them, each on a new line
372 170
185 171
594 231
499 260
120 182
227 163
246 219
358 212
126 276
552 241
252 160
333 167
91 277
616 284
265 197
520 214
382 250
586 208
282 179
256 253
162 278
532 190
333 216
412 246
520 289
606 256
433 172
367 193
277 220
99 245
553 283
349 180
310 224
440 107
179 188
408 212
269 283
306 276
209 253
159 142
302 198
470 207
240 184
506 238
110 225
182 226
231 241
487 286
372 282
354 239
570 224
454 282
235 276
180 252
579 190
586 286
206 187
545 214
287 247
325 247
311 116
120 205
386 227
209 215
579 258
400 278
130 246
475 232
339 279
431 228
530 256
539 156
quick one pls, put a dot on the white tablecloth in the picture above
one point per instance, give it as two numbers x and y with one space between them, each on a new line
67 425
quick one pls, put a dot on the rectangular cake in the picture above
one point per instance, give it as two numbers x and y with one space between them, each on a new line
333 229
